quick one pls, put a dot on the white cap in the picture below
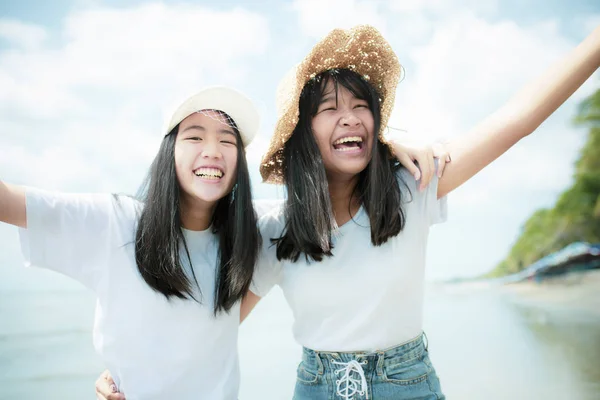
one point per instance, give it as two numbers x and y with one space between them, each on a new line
233 103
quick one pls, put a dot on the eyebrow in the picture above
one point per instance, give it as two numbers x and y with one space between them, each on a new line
329 95
223 131
326 98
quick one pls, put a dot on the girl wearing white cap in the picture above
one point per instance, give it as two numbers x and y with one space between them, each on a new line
349 247
168 271
171 270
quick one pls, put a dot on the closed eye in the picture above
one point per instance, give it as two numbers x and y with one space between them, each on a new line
194 138
328 109
228 142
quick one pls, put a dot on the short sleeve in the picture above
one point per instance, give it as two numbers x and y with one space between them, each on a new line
267 272
68 233
434 210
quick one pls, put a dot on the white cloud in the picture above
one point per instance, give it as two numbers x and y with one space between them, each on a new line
591 22
317 17
173 44
468 69
413 5
87 112
21 34
257 149
165 52
415 21
444 7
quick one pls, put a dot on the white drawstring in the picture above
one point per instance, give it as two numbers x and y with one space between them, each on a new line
352 383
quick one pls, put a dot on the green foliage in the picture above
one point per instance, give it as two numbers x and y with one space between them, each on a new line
576 214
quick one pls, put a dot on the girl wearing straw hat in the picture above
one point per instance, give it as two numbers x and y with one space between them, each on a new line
169 271
350 242
348 247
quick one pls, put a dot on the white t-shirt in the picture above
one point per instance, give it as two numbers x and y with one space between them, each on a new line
364 298
155 348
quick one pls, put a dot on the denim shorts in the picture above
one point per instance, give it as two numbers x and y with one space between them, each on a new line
400 372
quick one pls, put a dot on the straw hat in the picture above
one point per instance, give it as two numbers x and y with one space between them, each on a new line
361 49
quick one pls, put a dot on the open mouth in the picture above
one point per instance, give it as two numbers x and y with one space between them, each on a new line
209 173
348 143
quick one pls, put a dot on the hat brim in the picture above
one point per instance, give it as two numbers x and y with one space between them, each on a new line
235 104
361 49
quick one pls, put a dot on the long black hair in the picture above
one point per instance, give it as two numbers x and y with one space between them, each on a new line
308 210
159 235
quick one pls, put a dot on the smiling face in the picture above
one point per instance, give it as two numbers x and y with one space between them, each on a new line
206 151
343 129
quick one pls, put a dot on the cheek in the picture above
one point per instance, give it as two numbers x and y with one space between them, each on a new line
185 154
181 164
320 134
231 161
371 124
371 127
368 122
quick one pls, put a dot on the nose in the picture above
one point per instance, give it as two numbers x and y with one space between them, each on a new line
349 119
210 149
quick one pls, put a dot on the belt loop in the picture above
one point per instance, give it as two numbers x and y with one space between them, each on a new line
425 341
319 362
380 359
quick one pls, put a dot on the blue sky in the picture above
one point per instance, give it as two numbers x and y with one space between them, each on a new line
86 86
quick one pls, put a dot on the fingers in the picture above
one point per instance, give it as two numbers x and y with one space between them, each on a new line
101 391
410 165
106 388
441 167
443 161
431 161
427 166
443 156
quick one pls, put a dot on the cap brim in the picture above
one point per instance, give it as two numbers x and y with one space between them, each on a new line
233 103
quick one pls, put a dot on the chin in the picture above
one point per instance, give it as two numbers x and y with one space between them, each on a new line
210 195
348 168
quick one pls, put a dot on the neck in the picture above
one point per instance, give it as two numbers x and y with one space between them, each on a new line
196 215
344 204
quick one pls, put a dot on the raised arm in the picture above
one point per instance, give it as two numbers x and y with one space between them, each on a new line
12 205
521 115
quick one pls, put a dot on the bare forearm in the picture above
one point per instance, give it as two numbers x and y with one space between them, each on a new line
533 104
475 150
12 205
521 115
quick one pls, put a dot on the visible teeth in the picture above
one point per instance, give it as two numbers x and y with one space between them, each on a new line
210 173
357 139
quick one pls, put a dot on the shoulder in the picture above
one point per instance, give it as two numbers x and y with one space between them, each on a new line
426 201
271 223
407 183
125 207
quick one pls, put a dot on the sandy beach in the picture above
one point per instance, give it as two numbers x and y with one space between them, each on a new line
577 292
